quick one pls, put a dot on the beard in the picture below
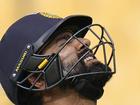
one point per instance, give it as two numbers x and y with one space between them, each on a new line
96 79
87 66
89 86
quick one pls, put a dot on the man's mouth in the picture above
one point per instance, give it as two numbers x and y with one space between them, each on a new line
90 59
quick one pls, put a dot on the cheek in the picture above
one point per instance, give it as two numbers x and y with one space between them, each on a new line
67 53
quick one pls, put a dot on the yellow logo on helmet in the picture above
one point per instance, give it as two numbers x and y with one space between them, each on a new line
49 15
21 61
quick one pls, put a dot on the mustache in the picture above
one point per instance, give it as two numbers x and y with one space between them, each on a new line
85 50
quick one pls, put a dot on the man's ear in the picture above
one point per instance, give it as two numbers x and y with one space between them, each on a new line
40 84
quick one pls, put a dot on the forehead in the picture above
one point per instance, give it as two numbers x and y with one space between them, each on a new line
62 35
67 30
57 41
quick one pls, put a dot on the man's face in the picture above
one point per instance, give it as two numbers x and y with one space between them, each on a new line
70 54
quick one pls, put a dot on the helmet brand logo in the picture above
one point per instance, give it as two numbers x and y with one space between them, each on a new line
21 61
49 15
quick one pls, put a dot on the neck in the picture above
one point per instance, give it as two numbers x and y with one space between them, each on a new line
65 97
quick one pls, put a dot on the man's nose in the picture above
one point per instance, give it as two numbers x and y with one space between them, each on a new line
83 43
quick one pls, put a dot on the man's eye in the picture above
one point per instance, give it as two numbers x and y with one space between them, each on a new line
66 37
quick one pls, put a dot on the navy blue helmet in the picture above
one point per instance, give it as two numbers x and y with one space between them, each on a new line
21 45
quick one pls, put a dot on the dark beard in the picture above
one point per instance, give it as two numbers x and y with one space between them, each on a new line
89 86
97 79
100 79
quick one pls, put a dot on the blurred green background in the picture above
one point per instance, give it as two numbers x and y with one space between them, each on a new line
122 20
